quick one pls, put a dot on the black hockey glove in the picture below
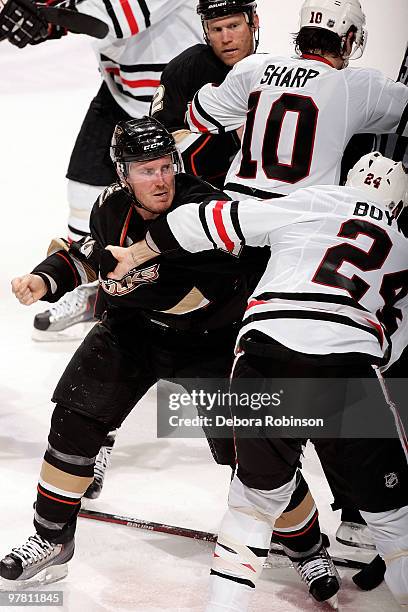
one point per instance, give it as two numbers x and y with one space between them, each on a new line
21 23
54 32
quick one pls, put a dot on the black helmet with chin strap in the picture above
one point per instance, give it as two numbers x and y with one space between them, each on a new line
213 9
141 140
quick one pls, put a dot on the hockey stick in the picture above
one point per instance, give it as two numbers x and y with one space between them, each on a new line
79 23
188 533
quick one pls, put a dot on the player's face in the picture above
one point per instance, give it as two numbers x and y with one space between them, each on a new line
231 38
153 184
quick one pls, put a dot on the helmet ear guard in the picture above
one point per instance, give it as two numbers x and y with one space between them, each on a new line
384 180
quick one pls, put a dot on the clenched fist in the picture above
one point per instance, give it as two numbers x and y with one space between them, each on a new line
29 288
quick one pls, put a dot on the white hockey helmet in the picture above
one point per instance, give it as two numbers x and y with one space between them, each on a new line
384 179
337 16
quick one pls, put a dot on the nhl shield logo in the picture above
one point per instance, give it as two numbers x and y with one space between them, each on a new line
391 480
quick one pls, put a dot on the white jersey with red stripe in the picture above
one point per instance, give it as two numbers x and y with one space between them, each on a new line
299 114
337 278
144 35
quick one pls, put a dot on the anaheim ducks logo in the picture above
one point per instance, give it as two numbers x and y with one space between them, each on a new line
131 281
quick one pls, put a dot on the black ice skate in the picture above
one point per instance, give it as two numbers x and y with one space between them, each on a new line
36 562
321 577
101 465
74 307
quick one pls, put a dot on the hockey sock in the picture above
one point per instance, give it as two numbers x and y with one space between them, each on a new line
66 473
243 544
298 529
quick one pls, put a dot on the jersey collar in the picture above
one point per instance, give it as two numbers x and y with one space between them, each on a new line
318 58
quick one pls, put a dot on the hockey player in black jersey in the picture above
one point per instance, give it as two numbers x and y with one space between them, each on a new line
231 30
173 318
142 37
161 321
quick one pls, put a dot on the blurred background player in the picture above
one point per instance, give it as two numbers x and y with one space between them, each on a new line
143 36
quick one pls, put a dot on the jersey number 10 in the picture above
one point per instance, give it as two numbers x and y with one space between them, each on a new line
302 150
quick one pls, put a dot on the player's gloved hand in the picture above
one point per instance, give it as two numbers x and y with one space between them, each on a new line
21 22
29 288
54 32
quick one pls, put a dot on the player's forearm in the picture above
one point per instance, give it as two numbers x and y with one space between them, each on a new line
59 275
181 230
67 266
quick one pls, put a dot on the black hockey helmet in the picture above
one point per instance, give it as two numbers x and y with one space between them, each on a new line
142 140
213 9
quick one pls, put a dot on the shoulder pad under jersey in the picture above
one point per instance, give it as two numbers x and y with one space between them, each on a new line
108 192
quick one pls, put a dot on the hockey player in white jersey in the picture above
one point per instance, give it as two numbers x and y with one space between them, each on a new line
333 299
299 113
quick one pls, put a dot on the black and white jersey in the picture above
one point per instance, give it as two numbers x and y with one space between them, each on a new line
337 278
299 114
206 156
144 35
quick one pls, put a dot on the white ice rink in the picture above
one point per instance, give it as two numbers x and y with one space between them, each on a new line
45 91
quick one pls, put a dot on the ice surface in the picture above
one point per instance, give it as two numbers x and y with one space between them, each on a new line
45 91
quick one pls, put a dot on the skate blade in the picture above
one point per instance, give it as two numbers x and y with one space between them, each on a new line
48 575
71 334
333 602
276 561
356 544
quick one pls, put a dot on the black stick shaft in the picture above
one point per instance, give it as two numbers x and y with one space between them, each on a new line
187 533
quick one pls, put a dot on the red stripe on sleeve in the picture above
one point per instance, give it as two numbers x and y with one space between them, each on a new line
134 28
195 121
135 83
379 330
75 273
253 303
220 227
